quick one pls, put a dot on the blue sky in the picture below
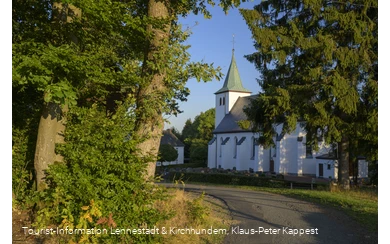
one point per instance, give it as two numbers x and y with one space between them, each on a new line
211 41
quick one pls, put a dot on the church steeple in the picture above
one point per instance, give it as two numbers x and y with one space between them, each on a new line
232 89
232 80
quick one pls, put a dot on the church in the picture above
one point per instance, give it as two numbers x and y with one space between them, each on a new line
235 148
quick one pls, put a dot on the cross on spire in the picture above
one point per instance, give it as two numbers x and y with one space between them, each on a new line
233 43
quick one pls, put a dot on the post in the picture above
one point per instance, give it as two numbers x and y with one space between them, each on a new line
312 182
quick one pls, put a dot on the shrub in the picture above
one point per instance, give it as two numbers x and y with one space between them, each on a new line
26 105
229 179
100 173
167 153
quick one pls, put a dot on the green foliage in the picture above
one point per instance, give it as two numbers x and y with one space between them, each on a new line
244 124
162 169
198 153
80 61
68 60
84 59
197 212
319 63
100 166
229 179
204 124
373 172
188 130
196 135
167 153
24 137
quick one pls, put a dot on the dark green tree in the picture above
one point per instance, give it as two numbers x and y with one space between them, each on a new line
187 132
73 53
196 135
67 53
319 64
167 153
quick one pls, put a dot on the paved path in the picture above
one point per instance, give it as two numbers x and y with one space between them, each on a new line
274 218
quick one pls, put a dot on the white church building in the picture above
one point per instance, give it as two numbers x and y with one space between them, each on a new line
235 148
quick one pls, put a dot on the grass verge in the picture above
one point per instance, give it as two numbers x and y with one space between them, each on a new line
191 210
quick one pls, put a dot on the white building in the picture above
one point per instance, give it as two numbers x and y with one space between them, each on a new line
169 138
234 147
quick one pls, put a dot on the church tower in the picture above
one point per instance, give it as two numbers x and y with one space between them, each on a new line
227 96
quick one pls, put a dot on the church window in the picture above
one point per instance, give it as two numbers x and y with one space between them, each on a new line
220 148
235 147
274 150
220 101
253 151
309 145
309 150
223 101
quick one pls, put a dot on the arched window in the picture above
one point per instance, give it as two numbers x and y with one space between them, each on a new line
223 101
220 101
235 147
220 148
253 151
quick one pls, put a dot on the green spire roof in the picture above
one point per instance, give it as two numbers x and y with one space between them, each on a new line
233 80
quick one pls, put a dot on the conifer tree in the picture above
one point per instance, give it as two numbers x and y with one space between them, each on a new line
319 64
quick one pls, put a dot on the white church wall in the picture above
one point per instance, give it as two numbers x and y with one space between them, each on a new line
288 154
329 170
220 108
228 154
219 151
234 148
263 159
232 98
224 152
309 166
245 152
211 153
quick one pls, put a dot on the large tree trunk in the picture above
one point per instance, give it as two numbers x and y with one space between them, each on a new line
50 132
52 123
344 163
150 97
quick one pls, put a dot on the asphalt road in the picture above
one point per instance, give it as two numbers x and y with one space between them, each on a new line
270 218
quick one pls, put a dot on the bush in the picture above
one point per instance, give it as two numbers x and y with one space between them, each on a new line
198 153
26 110
100 182
167 153
229 179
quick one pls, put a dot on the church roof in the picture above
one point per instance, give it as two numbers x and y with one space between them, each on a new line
232 80
229 122
169 138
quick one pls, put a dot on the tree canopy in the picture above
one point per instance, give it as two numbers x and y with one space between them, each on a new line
167 153
91 81
197 134
318 62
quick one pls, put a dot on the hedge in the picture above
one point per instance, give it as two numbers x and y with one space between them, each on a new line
228 179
